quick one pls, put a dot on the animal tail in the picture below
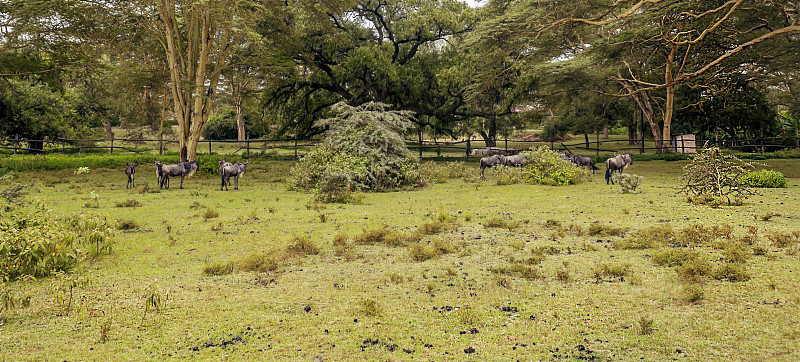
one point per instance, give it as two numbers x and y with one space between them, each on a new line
608 174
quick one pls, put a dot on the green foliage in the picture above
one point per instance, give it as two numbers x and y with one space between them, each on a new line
302 245
32 244
222 126
650 237
542 166
362 151
764 179
614 270
628 182
713 175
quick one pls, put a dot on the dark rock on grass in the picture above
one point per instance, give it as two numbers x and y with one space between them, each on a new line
509 309
307 309
469 350
473 330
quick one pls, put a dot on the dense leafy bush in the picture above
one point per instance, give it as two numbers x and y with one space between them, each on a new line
362 151
714 177
764 179
33 244
542 166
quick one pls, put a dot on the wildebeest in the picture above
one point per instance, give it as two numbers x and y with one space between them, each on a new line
566 156
222 164
181 169
584 161
130 169
491 161
616 163
236 170
513 161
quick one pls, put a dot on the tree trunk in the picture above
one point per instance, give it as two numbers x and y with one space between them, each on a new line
632 127
605 131
109 131
670 102
239 100
586 138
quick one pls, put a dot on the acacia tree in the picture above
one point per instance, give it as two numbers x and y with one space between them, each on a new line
199 40
652 47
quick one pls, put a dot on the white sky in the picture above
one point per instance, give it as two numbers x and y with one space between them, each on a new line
475 3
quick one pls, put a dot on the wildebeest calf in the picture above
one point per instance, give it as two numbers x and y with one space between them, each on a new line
130 169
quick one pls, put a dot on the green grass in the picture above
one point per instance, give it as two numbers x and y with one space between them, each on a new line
269 280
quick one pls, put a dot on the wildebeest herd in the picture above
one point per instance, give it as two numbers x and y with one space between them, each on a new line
187 169
616 163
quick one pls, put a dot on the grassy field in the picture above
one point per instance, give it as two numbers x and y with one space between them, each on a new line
466 270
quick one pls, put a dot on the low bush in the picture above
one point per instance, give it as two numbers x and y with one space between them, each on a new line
693 270
217 269
693 293
628 182
605 230
764 179
674 257
783 240
733 272
518 270
32 244
500 223
615 270
128 203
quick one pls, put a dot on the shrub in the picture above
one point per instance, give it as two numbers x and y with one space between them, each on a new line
605 230
734 272
32 244
628 182
363 150
694 269
764 179
517 269
127 224
782 240
371 237
542 166
258 262
712 176
370 307
342 247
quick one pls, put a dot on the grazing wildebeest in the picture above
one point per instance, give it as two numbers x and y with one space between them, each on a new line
130 169
491 161
584 161
616 163
513 161
628 159
181 169
566 156
236 170
222 164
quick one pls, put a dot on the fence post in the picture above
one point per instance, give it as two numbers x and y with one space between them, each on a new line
111 151
597 150
419 133
16 143
209 146
469 147
247 142
63 145
295 147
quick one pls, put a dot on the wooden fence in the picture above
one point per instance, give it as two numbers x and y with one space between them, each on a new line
464 147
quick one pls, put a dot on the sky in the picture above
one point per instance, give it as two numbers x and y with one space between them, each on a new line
475 3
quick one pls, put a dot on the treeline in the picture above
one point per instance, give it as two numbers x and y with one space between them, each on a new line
256 68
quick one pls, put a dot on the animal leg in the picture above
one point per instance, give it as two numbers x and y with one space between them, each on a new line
181 181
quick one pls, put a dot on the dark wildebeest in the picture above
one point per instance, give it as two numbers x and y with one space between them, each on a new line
130 169
584 161
491 161
616 163
222 164
235 170
513 161
181 169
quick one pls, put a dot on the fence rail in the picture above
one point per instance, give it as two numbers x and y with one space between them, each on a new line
464 147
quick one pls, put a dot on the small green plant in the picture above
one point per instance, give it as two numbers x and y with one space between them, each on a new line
395 278
500 223
342 247
605 230
693 293
210 214
615 270
694 269
502 281
563 276
733 272
129 203
302 245
674 257
370 307
628 182
518 270
371 237
127 225
651 237
82 170
153 302
259 262
217 269
646 325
